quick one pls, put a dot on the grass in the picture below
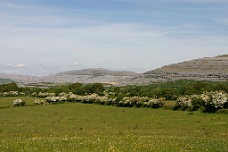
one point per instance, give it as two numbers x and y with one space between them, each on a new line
7 102
84 127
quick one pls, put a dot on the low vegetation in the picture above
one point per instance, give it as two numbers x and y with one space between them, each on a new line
189 95
34 119
92 127
208 102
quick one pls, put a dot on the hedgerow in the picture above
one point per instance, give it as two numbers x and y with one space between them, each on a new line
207 102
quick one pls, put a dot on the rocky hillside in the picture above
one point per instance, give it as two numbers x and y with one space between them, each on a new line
20 78
93 75
208 68
95 72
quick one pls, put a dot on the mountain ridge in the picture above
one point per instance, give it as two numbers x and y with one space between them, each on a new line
97 71
91 75
207 68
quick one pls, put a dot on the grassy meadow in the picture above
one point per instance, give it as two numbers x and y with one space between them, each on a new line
79 127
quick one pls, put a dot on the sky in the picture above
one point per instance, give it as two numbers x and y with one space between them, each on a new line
41 37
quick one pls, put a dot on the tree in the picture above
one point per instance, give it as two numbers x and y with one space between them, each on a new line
9 87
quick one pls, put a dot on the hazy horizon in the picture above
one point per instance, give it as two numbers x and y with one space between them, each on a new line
46 36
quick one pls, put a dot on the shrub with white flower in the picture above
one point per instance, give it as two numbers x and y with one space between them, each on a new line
41 94
126 102
18 102
144 99
183 103
62 94
112 101
52 99
34 94
90 98
13 93
218 100
63 98
44 94
210 101
71 97
206 97
101 100
139 102
38 102
154 103
5 94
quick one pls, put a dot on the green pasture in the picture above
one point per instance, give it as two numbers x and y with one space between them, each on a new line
79 127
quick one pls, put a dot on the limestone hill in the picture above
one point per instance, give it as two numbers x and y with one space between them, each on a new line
208 68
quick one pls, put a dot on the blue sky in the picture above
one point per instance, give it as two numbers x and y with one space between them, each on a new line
40 37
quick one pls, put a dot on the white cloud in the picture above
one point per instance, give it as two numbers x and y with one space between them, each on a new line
75 64
20 65
47 36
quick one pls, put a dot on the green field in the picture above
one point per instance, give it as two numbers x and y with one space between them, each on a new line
87 127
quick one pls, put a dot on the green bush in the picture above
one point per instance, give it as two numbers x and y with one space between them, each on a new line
197 103
225 111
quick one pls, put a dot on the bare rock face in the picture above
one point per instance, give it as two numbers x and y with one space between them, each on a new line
208 68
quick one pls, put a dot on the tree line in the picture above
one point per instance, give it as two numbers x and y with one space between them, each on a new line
173 89
169 90
12 86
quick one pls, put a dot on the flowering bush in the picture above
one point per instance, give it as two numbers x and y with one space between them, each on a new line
112 101
95 98
90 98
209 102
18 102
133 101
126 102
154 103
43 94
217 100
51 99
183 103
101 100
38 102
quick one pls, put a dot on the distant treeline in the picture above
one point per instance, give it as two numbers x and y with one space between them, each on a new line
173 89
9 87
76 88
170 90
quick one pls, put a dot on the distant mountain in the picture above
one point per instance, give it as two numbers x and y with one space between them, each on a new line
5 81
91 71
93 75
98 72
20 78
208 68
